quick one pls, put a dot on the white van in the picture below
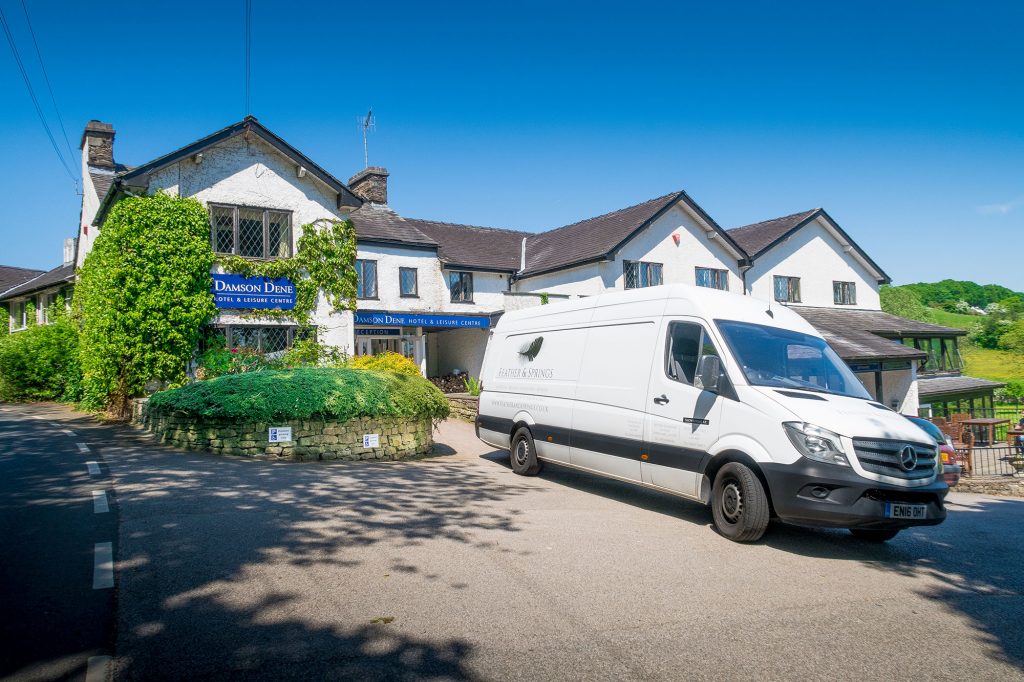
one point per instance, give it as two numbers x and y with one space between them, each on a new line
712 396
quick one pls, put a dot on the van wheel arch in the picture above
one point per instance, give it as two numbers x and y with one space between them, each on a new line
721 459
515 427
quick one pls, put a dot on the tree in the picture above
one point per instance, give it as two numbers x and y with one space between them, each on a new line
1012 338
144 295
904 302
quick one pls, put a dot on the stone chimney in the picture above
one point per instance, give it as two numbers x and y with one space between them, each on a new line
98 144
370 185
69 250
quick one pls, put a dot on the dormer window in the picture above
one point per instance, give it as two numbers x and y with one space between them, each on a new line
250 232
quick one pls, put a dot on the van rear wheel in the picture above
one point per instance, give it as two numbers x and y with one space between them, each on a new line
524 454
739 503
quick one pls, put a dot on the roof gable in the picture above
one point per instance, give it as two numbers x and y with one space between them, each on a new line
140 175
759 238
598 238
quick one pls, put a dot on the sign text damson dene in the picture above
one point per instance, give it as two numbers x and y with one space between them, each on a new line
235 291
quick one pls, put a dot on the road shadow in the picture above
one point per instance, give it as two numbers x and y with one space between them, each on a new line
971 572
196 527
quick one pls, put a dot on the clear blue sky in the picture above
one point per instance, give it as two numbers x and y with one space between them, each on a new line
904 120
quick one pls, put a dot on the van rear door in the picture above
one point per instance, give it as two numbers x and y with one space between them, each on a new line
682 421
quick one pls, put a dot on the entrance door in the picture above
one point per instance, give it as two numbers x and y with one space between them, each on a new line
682 420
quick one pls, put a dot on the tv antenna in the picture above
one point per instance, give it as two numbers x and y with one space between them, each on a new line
367 124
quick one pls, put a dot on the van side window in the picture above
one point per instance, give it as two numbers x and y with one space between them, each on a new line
687 341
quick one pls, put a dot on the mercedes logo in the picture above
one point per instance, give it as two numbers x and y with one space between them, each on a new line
908 458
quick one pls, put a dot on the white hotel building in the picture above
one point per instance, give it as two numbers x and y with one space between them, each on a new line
430 290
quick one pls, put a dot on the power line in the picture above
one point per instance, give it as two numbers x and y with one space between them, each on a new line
46 77
248 58
35 100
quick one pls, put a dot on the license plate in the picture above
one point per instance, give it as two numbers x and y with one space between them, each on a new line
905 511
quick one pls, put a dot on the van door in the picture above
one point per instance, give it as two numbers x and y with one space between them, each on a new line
608 413
682 421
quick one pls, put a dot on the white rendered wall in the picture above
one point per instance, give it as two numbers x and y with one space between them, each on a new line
251 173
816 257
653 244
87 232
432 292
461 349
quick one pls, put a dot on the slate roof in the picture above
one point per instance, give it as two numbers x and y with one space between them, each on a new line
860 334
934 386
597 238
59 275
138 177
475 247
755 238
381 224
102 180
11 276
760 237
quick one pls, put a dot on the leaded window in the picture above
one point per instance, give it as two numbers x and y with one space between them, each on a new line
787 289
713 278
461 284
407 284
250 232
366 278
844 293
639 274
265 338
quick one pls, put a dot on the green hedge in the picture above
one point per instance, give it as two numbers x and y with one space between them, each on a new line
283 395
41 363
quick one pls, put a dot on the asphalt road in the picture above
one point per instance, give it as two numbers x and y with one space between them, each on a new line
454 568
54 619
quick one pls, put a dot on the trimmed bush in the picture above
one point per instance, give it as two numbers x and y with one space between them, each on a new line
282 395
388 362
41 363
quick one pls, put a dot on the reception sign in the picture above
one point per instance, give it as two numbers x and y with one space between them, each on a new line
235 291
423 320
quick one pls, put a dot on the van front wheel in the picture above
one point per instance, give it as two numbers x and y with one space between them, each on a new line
739 503
524 454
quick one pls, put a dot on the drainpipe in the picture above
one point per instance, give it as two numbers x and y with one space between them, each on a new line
743 276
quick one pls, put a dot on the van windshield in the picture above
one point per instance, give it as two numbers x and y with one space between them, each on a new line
783 358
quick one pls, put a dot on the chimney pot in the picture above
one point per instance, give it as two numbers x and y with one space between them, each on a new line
370 184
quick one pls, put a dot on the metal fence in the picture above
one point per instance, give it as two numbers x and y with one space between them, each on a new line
990 461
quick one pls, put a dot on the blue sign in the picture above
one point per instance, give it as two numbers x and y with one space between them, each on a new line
379 331
235 291
424 320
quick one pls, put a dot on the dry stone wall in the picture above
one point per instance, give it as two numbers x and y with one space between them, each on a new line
463 406
1006 486
312 439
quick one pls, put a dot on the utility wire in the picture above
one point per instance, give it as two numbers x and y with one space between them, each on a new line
248 58
46 77
35 100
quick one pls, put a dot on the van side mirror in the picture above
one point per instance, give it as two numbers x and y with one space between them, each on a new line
709 373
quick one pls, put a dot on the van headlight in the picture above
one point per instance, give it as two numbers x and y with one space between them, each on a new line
814 442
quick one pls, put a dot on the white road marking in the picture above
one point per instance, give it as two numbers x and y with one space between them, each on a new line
68 432
99 502
94 468
83 448
98 669
103 566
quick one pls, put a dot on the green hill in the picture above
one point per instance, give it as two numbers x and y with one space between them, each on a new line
925 302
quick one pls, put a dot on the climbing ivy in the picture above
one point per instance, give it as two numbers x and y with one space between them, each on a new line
143 295
324 261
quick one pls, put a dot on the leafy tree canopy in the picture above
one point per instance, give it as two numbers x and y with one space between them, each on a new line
144 295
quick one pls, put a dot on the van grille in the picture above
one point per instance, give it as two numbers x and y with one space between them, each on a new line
886 458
